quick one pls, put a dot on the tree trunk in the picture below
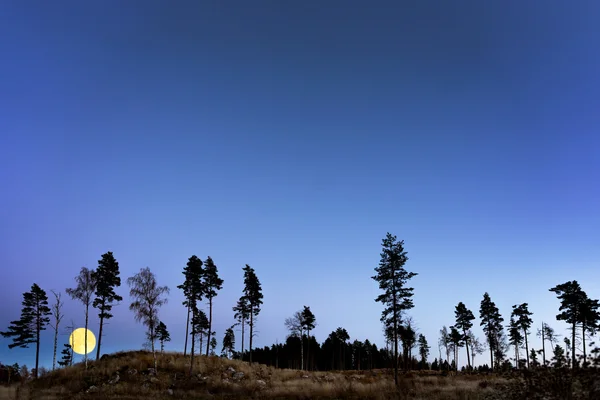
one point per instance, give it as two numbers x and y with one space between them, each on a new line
583 339
308 352
301 350
395 340
55 344
99 339
85 348
243 323
491 341
573 362
467 346
192 345
526 346
543 345
251 331
187 325
37 343
152 344
209 326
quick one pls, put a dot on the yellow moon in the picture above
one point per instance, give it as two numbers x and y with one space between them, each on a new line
77 341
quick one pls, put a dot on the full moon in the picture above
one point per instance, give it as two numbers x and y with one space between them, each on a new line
77 341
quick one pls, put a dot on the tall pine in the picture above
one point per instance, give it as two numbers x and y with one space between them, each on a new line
491 321
254 296
106 278
34 318
191 272
464 318
212 284
572 303
393 278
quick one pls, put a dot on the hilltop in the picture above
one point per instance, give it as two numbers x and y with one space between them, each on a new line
129 375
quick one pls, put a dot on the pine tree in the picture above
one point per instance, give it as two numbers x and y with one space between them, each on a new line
147 298
393 278
464 318
254 296
67 356
456 338
242 314
515 337
445 341
295 328
34 317
212 283
491 321
589 319
200 326
423 349
213 345
572 303
522 318
106 278
229 342
342 337
308 324
162 334
192 291
57 316
86 285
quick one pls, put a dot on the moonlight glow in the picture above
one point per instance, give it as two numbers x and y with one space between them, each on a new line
77 341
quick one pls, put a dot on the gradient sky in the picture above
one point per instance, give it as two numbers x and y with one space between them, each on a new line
292 136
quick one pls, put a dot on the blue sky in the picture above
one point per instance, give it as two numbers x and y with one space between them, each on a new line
292 137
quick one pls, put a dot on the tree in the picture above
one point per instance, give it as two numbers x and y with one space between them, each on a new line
547 333
589 321
342 337
456 338
393 278
572 303
295 328
254 296
213 345
464 318
106 278
34 317
445 341
192 273
308 324
423 348
83 291
147 297
476 347
228 342
491 321
57 316
516 339
559 356
212 283
162 334
242 313
200 326
67 356
523 321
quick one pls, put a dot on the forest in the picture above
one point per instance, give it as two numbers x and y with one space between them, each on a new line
506 343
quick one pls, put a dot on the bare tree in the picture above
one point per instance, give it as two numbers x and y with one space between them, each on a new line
295 326
86 286
147 299
57 316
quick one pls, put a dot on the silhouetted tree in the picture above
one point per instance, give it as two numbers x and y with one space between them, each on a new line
342 336
523 321
254 296
515 337
57 316
559 356
213 345
200 327
228 342
191 288
242 314
295 328
491 321
456 338
589 321
106 277
86 285
163 335
423 348
476 347
445 341
147 297
212 283
34 317
572 303
393 278
67 356
464 318
308 324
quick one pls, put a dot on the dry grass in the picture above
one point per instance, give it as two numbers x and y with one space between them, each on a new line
215 378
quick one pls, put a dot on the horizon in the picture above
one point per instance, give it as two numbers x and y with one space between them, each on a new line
291 138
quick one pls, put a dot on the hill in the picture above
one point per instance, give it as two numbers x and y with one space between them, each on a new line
129 375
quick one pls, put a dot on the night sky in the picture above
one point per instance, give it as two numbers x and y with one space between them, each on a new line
292 136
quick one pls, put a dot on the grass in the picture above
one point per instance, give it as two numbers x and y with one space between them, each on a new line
218 378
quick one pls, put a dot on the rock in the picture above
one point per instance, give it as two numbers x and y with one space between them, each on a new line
225 380
132 371
238 375
305 376
92 389
146 385
260 382
114 380
170 392
153 379
151 371
231 370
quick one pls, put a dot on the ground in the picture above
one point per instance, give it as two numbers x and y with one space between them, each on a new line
131 376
